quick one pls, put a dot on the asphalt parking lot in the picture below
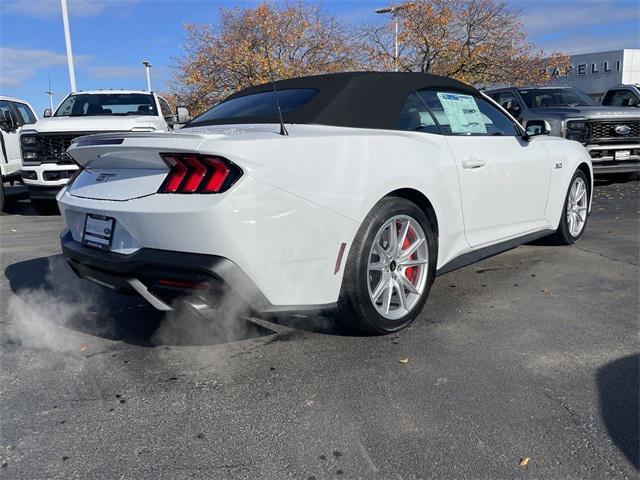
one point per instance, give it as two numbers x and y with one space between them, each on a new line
522 366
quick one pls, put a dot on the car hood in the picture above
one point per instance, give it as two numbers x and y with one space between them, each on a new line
591 112
96 124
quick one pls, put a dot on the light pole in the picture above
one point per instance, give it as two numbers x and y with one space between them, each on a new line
392 9
50 93
67 39
147 67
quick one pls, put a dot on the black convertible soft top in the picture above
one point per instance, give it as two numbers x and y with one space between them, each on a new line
350 99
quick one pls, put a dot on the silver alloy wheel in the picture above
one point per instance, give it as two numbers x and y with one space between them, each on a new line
577 207
398 266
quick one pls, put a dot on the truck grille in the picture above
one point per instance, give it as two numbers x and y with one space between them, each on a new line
54 147
606 130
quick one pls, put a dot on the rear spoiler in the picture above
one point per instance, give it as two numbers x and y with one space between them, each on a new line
130 150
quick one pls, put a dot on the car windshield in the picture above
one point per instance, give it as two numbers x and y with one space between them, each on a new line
555 97
258 105
87 104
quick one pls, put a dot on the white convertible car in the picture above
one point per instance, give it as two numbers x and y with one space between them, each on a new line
374 184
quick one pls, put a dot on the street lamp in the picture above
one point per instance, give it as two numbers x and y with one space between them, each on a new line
147 67
392 9
50 93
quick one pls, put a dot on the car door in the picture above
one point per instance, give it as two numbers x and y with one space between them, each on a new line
11 140
504 179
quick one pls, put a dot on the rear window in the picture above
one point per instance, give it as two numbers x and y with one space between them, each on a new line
258 105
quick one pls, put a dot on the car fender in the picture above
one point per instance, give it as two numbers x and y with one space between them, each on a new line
566 157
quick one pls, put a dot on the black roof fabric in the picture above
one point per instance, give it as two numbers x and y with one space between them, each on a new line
351 99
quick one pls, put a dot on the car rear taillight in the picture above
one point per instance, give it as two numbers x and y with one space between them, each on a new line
194 173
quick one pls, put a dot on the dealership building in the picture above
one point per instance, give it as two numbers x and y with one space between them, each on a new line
595 73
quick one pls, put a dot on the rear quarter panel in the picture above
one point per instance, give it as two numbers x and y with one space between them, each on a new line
349 170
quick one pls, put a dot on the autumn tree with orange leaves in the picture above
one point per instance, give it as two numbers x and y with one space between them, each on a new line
299 38
480 42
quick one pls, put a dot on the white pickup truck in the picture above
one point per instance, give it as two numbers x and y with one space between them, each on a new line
14 115
46 165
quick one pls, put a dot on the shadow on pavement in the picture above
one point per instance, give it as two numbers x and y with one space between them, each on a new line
17 202
51 296
619 404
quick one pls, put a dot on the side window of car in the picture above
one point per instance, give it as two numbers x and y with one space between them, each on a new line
415 116
26 115
508 101
463 114
5 106
164 108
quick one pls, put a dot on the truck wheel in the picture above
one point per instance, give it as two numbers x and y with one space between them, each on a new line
2 199
45 207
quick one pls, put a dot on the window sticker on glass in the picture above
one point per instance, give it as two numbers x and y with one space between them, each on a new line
463 113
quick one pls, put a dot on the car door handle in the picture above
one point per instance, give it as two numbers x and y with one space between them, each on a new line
473 163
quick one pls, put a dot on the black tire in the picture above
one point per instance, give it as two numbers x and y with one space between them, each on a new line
45 207
2 197
355 305
562 236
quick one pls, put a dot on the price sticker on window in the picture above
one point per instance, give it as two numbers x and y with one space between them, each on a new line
463 113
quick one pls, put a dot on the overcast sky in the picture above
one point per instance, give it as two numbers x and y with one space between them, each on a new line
111 37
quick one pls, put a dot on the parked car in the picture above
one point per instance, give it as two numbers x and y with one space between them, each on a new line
622 96
611 135
46 165
373 184
14 114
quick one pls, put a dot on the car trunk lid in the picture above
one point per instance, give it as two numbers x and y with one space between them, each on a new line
125 166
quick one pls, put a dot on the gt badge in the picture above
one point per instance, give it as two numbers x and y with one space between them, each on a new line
558 165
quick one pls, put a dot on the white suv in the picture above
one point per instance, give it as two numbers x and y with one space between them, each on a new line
46 165
14 114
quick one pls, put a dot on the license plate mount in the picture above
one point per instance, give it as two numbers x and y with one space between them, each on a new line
622 154
98 231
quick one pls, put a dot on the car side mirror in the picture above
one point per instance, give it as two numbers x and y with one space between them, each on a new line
182 113
7 122
47 113
537 127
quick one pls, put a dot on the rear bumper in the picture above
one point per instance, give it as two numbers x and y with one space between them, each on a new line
140 272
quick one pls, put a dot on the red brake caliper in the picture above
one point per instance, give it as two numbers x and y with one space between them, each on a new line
410 272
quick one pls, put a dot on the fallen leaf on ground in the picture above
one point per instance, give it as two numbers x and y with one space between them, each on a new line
546 290
83 348
404 360
524 462
13 230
